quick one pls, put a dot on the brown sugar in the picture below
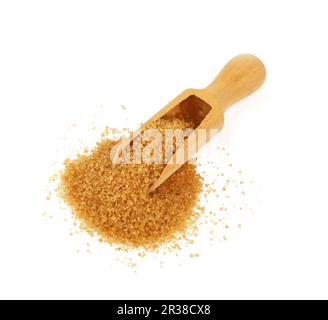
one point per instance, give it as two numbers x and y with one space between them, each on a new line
112 200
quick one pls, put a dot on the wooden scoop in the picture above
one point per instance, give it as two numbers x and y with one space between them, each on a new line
241 76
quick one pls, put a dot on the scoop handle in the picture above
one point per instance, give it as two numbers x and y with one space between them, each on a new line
241 76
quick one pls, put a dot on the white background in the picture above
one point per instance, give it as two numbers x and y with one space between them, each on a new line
61 58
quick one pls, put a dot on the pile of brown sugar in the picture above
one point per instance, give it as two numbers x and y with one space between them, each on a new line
112 200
